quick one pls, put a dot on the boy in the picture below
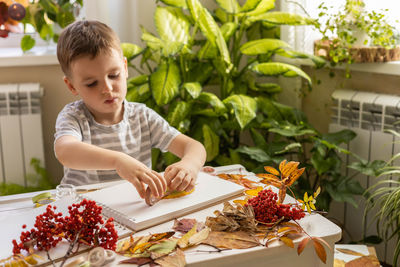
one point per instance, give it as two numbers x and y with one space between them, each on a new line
102 136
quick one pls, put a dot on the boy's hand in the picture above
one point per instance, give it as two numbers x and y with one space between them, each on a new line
139 174
181 175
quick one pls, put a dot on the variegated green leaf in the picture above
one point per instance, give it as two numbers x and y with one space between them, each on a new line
262 46
250 5
213 101
152 41
194 89
175 3
195 8
138 80
318 61
171 24
211 142
130 51
165 82
221 15
139 93
262 7
277 68
230 6
208 112
178 112
282 18
228 29
244 108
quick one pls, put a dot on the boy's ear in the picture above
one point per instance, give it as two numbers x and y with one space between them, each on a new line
126 67
70 86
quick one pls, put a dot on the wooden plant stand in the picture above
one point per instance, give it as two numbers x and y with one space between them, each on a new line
360 54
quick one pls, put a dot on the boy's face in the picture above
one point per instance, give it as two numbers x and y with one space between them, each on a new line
101 83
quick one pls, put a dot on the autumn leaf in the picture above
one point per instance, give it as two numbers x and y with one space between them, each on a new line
282 165
254 192
175 260
159 236
302 245
183 242
176 194
163 248
289 168
241 201
267 176
138 260
185 224
199 237
271 170
364 261
350 252
231 240
238 179
287 241
320 250
294 175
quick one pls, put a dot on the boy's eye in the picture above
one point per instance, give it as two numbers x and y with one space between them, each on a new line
113 76
92 84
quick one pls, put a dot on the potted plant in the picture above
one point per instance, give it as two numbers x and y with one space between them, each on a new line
355 35
383 201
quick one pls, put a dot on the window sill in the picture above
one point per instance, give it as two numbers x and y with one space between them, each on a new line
37 56
388 68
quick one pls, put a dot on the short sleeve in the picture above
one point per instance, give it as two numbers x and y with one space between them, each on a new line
67 124
161 133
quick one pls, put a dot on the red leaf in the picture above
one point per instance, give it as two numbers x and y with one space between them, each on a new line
320 250
302 245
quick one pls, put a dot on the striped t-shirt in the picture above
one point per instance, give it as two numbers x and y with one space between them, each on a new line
140 130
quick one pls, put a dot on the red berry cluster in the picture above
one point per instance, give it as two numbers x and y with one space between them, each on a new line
266 209
84 225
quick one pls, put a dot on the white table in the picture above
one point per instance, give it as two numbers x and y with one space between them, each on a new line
276 254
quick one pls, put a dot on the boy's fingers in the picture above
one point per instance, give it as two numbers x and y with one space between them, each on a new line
191 185
177 180
169 174
162 179
139 187
151 182
184 184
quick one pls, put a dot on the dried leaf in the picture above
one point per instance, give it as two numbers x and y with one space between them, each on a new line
350 252
282 194
339 263
159 236
185 224
138 260
320 250
238 179
254 192
241 201
176 260
176 194
302 245
183 242
231 240
31 260
271 170
364 261
287 241
164 247
267 176
271 182
199 237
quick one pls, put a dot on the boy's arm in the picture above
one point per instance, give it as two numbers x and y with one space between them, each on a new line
182 175
75 154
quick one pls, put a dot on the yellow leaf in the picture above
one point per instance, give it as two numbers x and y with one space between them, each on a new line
31 260
254 192
282 165
294 175
316 193
184 240
271 170
289 168
313 206
305 197
267 176
176 194
283 229
287 241
240 201
273 182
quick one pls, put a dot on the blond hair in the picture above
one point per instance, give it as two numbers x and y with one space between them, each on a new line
84 38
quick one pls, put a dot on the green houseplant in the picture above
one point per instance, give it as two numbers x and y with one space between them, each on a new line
353 34
201 74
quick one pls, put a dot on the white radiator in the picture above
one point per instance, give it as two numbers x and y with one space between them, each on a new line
367 114
21 137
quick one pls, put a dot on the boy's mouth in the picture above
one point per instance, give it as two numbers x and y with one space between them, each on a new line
111 100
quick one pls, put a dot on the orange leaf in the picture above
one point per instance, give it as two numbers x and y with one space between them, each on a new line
288 242
282 194
289 168
320 250
159 236
294 176
283 229
282 165
240 201
267 176
271 182
271 170
302 245
254 192
322 241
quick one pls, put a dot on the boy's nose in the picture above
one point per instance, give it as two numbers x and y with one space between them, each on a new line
107 87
